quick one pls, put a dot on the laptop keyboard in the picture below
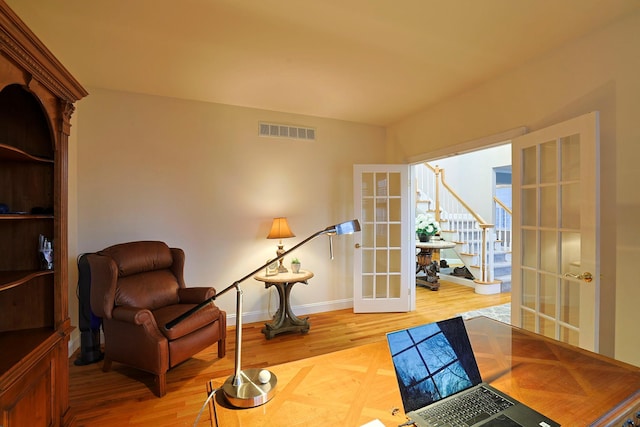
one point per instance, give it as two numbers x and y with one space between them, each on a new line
465 410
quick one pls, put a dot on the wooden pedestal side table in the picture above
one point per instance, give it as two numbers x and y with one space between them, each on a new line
429 254
284 320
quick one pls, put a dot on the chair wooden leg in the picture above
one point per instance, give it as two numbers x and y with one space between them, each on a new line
222 348
161 384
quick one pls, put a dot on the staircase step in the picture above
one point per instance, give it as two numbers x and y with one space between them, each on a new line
497 250
505 283
501 264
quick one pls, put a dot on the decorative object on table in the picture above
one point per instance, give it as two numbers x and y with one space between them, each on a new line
46 253
244 388
280 230
271 269
426 226
295 265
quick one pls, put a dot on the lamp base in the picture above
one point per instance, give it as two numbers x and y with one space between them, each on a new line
251 392
280 252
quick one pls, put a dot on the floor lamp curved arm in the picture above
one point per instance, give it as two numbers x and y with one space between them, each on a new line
253 387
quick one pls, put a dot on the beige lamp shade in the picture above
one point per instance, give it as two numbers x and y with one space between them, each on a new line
280 229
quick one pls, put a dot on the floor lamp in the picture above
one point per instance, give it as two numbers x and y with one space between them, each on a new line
253 387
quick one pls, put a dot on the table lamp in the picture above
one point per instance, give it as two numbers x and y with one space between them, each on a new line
253 387
280 230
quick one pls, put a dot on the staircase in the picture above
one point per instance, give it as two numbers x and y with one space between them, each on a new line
484 248
502 249
502 269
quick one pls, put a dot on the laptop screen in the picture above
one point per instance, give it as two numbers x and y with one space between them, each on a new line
432 362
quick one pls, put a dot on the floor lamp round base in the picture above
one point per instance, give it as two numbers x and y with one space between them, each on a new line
252 391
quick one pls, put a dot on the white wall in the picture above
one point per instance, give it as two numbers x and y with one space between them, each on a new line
471 176
597 72
197 176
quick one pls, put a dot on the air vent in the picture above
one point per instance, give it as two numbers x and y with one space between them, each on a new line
275 130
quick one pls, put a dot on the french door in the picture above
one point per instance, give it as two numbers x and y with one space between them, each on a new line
383 262
556 265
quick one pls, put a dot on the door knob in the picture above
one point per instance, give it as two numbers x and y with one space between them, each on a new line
586 276
357 245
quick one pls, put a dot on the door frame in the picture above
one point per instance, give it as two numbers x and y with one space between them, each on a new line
479 144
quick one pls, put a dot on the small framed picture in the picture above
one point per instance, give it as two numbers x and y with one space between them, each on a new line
272 269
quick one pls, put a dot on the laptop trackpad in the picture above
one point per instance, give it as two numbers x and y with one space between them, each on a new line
501 421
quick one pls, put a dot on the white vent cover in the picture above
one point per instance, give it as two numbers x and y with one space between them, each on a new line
275 130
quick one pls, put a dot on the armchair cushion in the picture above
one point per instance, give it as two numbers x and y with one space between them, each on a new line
152 290
139 257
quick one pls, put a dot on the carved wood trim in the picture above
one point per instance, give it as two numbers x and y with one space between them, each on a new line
22 45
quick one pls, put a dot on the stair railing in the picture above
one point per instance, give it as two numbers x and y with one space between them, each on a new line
455 215
503 217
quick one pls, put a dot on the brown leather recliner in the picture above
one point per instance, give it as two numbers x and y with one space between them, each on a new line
137 288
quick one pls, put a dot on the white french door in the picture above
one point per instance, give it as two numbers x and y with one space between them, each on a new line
383 262
556 265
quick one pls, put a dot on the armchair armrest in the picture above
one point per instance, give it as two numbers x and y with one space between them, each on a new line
195 295
135 315
133 327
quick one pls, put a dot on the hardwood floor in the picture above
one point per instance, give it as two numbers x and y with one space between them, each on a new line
122 397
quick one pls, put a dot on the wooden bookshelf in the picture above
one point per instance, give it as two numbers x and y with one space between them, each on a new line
36 102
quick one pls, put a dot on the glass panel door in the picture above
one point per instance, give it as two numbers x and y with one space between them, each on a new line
556 242
381 276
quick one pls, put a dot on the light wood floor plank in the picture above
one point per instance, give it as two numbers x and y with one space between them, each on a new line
123 397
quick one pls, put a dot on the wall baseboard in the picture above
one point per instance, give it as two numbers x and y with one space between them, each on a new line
320 307
74 344
457 280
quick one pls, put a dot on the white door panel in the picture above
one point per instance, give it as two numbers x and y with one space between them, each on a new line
556 231
382 261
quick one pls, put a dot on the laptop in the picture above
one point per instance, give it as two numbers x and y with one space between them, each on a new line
440 382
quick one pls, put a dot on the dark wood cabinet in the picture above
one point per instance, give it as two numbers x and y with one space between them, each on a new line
36 103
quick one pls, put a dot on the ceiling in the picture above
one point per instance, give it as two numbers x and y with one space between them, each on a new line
367 61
